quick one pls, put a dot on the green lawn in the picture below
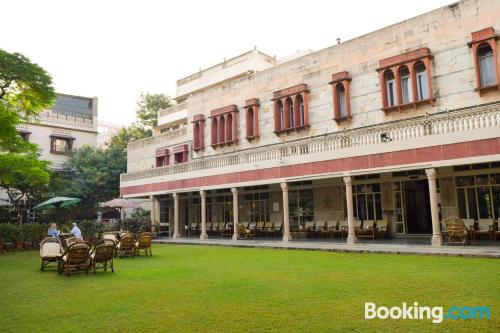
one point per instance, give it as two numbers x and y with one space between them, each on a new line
219 289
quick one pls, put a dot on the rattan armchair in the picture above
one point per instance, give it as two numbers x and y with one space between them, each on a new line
102 255
457 232
75 259
368 229
126 245
381 229
484 227
144 241
319 227
242 231
332 229
51 251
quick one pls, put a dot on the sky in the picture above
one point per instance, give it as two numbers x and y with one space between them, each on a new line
115 50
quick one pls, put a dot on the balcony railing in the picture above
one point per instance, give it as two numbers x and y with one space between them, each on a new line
471 118
59 119
172 109
155 140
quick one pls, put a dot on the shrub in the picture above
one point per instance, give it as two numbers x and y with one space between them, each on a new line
89 228
8 232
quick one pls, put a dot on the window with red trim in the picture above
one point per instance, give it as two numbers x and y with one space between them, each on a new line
291 109
341 96
252 118
405 80
181 154
484 49
162 157
198 132
224 129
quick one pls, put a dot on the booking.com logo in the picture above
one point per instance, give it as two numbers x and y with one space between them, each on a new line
418 312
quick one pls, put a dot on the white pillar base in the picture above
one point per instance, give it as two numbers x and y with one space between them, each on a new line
176 236
287 238
352 239
235 237
436 240
203 236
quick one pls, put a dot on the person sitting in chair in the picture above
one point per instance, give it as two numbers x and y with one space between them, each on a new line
53 232
76 232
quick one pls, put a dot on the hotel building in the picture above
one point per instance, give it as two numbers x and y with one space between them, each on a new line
399 125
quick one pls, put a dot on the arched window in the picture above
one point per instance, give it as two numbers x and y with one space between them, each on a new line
289 105
229 127
280 116
390 86
487 70
250 123
341 100
422 81
300 108
406 89
222 127
215 131
196 135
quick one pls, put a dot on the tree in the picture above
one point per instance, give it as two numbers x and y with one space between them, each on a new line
95 176
23 176
25 89
126 135
149 105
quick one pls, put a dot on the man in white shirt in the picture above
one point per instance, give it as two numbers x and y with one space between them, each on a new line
76 231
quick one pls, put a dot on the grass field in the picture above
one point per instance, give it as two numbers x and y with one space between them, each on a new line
219 289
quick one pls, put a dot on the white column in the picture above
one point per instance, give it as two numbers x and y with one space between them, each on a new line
153 213
203 196
436 230
234 190
176 216
286 216
351 234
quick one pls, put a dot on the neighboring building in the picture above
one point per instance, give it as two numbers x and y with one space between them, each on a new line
69 124
105 132
400 125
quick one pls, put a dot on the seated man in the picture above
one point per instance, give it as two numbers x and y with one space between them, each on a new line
76 232
53 232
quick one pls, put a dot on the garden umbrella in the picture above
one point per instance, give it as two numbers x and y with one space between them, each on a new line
57 202
120 203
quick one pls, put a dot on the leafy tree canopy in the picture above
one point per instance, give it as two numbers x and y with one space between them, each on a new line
148 107
25 89
24 86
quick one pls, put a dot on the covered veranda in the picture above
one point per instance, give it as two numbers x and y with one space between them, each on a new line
404 207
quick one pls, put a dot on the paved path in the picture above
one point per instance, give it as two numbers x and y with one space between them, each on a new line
419 249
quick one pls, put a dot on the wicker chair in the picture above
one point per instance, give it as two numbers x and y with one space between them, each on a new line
368 229
144 243
484 227
102 255
76 258
331 228
126 245
51 251
242 231
319 227
381 229
110 236
73 240
457 232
